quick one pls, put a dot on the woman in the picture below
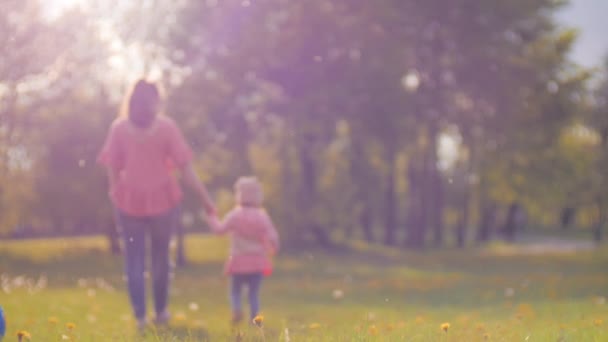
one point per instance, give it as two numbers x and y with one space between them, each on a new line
140 153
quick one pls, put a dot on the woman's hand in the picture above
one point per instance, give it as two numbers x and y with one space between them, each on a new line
209 207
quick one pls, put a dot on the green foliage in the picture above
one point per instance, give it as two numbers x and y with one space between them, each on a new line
337 106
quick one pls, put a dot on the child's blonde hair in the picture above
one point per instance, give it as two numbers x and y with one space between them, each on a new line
249 192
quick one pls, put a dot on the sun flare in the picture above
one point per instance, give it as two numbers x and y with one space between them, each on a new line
55 8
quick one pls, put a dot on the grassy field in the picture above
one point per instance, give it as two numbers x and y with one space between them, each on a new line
72 290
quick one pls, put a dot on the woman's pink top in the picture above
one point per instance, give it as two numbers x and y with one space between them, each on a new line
252 239
144 160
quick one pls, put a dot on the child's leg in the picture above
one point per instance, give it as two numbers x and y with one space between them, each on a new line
254 283
236 285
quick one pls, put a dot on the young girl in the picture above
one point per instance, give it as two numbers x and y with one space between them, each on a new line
140 153
253 240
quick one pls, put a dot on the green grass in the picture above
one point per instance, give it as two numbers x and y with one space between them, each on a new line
493 293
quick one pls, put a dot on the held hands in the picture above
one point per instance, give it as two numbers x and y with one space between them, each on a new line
209 215
210 209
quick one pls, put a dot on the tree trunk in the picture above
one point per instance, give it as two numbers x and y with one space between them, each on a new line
463 222
288 187
359 170
416 221
241 145
437 206
487 222
308 192
511 222
434 186
567 216
390 205
599 225
366 223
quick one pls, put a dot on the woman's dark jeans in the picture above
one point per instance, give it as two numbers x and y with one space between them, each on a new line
136 231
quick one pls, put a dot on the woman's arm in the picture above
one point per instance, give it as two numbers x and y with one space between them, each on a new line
113 175
192 180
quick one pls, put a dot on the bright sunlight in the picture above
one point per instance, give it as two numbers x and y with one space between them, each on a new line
55 8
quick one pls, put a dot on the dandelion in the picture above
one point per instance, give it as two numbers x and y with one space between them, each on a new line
373 330
486 336
314 326
598 322
70 326
22 334
180 317
445 327
390 327
53 320
258 320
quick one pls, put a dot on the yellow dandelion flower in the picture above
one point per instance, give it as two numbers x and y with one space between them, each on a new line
598 322
390 327
314 326
486 336
22 334
180 317
70 326
53 320
373 330
258 320
445 327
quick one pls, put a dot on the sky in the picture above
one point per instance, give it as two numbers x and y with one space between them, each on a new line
590 17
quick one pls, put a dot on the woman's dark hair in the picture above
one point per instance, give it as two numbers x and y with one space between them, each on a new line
141 106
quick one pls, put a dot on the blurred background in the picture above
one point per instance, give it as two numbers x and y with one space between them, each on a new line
397 122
